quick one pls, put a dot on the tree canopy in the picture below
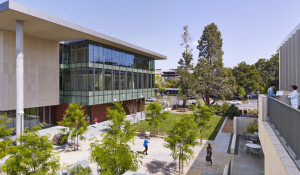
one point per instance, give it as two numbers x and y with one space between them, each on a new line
112 154
155 114
181 138
211 79
34 155
247 77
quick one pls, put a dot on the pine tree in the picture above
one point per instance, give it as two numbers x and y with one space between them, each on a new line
185 79
210 77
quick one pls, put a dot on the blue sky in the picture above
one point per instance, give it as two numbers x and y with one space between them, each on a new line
250 29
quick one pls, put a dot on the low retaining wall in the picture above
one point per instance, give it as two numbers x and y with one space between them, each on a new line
240 124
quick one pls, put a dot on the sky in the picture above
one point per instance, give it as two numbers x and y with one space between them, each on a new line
250 29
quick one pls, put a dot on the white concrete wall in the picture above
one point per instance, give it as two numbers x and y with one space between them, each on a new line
41 71
277 160
240 124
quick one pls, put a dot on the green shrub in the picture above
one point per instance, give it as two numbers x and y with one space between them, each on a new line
224 109
217 109
232 111
253 111
252 126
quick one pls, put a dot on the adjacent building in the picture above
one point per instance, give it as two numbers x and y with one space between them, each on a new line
278 121
55 62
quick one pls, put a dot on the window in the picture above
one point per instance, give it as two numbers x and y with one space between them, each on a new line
108 82
135 80
96 53
129 80
140 77
123 80
116 80
91 80
145 81
98 80
91 53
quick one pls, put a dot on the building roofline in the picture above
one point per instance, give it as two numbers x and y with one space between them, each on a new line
42 25
289 36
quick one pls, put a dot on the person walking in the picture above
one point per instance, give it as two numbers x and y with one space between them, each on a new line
146 145
271 91
209 154
294 97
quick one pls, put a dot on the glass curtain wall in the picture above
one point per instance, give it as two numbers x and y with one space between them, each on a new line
93 73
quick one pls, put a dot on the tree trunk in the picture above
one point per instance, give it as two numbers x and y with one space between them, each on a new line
184 103
77 142
179 165
71 144
200 137
158 131
182 167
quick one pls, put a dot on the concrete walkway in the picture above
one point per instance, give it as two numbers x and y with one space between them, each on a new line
219 156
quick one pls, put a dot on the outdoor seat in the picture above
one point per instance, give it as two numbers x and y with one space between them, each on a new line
255 152
141 132
243 148
152 133
254 139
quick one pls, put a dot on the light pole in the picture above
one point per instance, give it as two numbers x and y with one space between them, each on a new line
141 107
21 124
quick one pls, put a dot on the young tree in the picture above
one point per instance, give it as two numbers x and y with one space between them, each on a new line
112 154
76 123
161 84
79 170
181 139
210 77
202 115
247 77
185 79
132 108
5 141
155 114
34 155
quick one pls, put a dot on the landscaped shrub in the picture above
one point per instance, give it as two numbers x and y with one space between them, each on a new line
252 127
224 109
217 109
253 111
233 111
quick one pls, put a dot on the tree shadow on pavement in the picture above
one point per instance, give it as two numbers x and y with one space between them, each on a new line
166 168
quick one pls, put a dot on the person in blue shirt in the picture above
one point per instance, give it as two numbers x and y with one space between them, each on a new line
146 145
271 91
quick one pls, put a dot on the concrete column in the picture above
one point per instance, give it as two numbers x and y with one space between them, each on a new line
19 77
44 114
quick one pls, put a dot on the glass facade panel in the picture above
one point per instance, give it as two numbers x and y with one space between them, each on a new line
140 80
122 80
116 80
129 80
135 78
108 79
98 80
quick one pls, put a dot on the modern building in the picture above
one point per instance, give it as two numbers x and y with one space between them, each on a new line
170 74
278 122
47 63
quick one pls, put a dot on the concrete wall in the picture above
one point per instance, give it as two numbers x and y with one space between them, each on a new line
240 124
41 71
277 160
289 62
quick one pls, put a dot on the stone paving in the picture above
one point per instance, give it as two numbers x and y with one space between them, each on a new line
158 161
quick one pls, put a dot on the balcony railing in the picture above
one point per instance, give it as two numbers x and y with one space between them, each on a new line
287 122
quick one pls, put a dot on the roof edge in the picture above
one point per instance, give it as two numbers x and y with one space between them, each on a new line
44 16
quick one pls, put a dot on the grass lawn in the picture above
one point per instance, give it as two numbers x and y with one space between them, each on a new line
209 133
